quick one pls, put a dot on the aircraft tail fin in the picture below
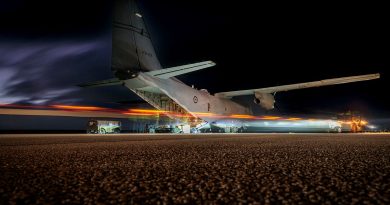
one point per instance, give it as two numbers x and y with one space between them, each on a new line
132 48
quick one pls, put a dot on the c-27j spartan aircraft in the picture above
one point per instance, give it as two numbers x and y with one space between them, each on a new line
135 65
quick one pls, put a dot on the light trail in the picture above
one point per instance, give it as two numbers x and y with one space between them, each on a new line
294 119
61 113
242 116
269 118
148 111
94 111
82 108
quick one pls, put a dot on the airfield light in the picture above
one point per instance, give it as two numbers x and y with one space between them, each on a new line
371 127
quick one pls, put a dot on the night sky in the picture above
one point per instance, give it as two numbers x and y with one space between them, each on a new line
48 47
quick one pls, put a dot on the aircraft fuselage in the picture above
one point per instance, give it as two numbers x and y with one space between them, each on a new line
199 103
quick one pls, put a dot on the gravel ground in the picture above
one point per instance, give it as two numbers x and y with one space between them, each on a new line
201 169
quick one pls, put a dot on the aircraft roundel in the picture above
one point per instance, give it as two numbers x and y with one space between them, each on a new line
195 99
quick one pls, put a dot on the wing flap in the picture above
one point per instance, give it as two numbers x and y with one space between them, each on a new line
326 82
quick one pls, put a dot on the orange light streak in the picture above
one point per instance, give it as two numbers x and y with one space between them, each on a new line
83 108
148 111
137 114
242 116
205 114
153 112
294 118
269 118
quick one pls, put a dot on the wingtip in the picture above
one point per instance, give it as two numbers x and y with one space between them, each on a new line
212 63
374 75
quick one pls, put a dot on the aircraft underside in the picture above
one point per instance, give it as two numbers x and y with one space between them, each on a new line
168 107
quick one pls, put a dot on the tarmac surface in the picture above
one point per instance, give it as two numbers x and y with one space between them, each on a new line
200 169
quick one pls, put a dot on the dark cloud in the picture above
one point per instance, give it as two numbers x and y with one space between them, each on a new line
48 72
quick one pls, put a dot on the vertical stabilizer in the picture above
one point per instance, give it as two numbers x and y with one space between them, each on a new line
132 49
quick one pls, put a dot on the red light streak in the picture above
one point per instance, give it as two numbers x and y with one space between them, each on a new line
294 118
242 116
269 118
83 108
137 114
153 113
148 111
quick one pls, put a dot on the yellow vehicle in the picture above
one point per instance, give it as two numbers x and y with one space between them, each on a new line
103 127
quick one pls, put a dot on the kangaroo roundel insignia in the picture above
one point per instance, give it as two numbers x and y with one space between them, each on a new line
195 99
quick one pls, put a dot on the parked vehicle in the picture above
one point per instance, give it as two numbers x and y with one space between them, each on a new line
103 126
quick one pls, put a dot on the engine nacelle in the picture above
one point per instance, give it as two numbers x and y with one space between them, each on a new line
265 100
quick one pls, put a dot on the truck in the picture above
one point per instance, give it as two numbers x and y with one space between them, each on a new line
182 128
103 126
165 129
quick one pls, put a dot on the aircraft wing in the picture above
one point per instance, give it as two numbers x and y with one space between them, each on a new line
179 70
333 81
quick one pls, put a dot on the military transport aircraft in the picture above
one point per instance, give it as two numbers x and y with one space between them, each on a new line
136 66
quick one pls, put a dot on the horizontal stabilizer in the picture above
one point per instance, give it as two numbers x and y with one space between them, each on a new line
333 81
109 82
179 70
